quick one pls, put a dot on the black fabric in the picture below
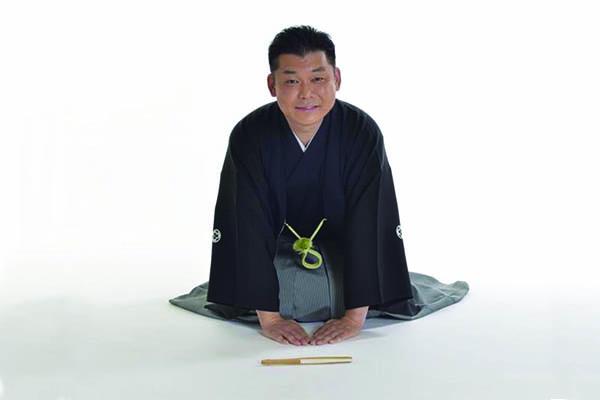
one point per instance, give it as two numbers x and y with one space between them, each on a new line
303 172
264 183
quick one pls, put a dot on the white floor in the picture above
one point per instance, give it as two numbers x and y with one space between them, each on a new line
112 142
516 343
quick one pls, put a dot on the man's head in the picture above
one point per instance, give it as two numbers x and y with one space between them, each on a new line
303 76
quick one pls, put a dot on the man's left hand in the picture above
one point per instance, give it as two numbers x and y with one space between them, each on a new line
336 330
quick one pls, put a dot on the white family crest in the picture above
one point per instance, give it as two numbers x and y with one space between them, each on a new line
399 231
216 235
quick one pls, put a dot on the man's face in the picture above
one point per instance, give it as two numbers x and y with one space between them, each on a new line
305 88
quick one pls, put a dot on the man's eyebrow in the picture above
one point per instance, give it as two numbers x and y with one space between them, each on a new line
292 72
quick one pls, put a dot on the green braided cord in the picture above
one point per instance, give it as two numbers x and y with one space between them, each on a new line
316 264
318 227
303 246
293 231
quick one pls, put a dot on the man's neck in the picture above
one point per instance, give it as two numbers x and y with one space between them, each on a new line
305 133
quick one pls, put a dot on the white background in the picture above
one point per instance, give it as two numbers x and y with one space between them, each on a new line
115 116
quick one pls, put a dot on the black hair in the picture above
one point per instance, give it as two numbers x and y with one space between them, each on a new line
299 40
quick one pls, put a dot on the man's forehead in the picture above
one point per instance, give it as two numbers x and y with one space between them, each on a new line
310 62
294 70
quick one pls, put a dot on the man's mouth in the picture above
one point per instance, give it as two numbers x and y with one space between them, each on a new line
307 108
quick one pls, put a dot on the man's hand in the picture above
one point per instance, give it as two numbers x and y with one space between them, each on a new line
282 330
336 330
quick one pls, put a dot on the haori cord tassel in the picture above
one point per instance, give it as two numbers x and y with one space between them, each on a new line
303 246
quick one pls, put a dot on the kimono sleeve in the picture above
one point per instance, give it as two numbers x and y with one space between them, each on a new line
375 269
242 273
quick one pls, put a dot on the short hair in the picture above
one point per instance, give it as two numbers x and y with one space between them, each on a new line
300 40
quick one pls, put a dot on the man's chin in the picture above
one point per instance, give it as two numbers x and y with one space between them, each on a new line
308 122
308 118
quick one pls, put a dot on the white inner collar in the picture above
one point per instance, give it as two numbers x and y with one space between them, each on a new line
302 146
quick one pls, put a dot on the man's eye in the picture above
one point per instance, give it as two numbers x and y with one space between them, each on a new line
291 81
319 79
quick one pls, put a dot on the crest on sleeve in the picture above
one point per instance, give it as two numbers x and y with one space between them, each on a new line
399 232
216 235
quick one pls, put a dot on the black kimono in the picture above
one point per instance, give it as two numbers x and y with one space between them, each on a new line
344 176
356 195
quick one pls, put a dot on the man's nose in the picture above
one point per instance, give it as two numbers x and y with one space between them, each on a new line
305 90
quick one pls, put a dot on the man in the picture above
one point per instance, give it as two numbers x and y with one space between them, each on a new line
309 164
305 87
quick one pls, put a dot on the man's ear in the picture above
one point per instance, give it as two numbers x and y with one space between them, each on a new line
271 84
338 78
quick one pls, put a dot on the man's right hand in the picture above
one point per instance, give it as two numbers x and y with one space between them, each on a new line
282 330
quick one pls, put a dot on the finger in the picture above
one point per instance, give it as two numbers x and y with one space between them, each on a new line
316 335
279 339
325 330
295 331
339 337
326 324
319 339
276 335
300 332
332 334
346 334
303 336
291 337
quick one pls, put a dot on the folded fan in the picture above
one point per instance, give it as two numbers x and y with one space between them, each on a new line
308 360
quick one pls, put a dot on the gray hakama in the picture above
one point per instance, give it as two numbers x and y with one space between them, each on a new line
318 295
